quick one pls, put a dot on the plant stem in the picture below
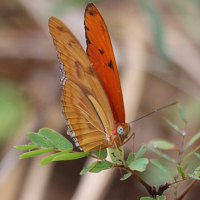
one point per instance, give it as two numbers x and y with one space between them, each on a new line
186 190
179 158
179 181
151 189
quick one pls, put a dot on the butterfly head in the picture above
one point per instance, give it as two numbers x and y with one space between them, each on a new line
123 130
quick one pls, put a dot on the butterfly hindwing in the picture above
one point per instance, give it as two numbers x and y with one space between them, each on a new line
85 104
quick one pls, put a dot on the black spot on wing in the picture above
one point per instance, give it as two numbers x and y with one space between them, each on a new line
101 51
90 9
110 64
88 41
86 28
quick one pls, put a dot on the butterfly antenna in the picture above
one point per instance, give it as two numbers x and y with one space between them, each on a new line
155 111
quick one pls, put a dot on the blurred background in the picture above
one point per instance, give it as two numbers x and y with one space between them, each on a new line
157 49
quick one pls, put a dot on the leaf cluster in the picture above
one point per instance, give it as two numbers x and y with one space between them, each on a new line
47 140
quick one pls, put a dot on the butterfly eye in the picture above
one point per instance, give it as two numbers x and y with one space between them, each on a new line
120 130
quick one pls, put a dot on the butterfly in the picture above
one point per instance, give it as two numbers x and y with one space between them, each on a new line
91 92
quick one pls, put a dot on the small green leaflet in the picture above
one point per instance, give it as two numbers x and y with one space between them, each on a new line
160 198
150 198
35 153
197 172
60 142
40 140
160 154
71 156
47 138
186 165
130 158
163 144
181 171
125 176
26 147
139 165
50 158
162 167
140 152
146 198
103 153
192 140
97 166
175 127
114 154
194 177
196 154
189 154
181 113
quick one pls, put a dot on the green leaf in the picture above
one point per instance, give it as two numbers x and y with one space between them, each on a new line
84 170
40 140
26 147
130 158
97 166
189 154
163 145
139 164
140 152
162 167
196 154
160 198
146 198
125 176
35 153
197 172
181 112
103 153
175 127
181 171
192 140
160 154
102 165
194 177
60 142
71 156
50 158
186 165
114 154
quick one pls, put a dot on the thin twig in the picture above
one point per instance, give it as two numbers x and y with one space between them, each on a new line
151 189
179 158
178 181
186 190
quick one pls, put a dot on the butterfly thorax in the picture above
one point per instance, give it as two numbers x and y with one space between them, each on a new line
119 134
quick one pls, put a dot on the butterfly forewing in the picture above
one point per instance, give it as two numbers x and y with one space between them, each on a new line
100 53
85 104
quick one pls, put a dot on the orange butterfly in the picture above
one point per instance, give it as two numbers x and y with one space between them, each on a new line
91 91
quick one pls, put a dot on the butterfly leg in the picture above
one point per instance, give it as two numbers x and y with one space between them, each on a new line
97 158
133 142
119 153
132 135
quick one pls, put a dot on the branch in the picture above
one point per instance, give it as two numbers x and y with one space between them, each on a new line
151 189
186 190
